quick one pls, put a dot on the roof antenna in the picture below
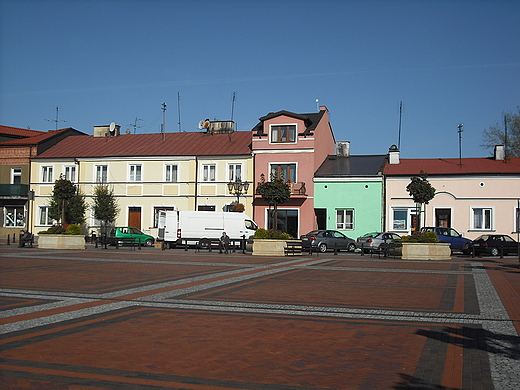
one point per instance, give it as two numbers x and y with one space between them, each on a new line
134 125
56 120
505 137
318 105
163 125
233 105
460 142
400 118
179 109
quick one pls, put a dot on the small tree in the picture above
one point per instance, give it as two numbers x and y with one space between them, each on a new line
421 191
274 192
105 206
67 204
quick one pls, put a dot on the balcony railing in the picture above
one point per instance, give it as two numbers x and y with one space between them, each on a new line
14 190
297 188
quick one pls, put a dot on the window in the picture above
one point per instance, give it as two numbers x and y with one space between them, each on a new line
283 133
517 220
284 172
69 172
14 216
208 172
171 173
400 219
135 172
44 219
235 172
16 175
206 208
47 174
482 218
345 219
101 173
156 214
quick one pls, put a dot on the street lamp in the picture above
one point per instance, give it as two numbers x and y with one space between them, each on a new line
237 187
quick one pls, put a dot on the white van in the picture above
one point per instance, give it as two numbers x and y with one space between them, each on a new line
179 226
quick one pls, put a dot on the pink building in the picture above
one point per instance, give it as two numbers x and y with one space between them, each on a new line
291 147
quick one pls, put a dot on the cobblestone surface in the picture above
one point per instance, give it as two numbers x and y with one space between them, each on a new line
152 319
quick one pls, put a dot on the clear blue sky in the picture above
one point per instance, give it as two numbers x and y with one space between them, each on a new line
449 62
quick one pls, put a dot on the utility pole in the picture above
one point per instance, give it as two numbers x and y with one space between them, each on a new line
163 126
460 142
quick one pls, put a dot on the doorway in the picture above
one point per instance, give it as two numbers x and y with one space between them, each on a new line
287 221
134 217
443 218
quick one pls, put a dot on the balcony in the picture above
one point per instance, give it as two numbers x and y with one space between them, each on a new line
14 190
297 189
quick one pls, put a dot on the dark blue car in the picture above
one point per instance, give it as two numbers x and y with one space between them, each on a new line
452 237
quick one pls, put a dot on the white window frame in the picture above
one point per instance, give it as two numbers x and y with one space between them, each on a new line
155 213
69 173
13 217
47 173
171 173
135 173
16 172
274 140
43 212
485 210
209 173
345 213
235 171
399 227
99 177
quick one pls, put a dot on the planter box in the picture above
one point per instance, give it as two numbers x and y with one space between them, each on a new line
61 241
424 251
266 247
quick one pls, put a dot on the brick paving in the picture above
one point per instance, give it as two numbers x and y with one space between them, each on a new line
151 319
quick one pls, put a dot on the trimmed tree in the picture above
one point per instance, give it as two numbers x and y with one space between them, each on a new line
421 191
67 204
105 206
274 192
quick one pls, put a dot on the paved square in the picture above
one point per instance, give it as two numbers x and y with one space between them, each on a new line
152 319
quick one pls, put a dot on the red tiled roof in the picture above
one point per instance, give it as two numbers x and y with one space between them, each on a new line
175 144
18 132
37 138
451 166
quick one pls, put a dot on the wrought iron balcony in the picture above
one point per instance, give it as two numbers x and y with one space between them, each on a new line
297 188
14 190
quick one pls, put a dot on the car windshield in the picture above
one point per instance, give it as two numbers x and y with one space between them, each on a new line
313 233
372 235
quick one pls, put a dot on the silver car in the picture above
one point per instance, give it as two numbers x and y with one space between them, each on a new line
372 241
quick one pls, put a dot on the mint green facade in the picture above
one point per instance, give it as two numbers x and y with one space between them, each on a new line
365 198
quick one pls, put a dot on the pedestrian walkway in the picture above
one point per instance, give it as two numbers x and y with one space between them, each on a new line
151 319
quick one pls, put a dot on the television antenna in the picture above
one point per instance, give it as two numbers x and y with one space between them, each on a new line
134 125
163 126
56 120
400 118
179 109
460 142
233 105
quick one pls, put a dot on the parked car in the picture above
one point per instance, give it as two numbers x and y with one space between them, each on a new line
452 237
132 232
492 243
372 241
327 239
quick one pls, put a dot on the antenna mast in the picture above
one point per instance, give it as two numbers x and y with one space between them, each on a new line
505 137
233 105
163 126
134 125
56 120
179 109
460 142
400 118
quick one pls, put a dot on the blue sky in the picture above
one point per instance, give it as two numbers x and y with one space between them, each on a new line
449 62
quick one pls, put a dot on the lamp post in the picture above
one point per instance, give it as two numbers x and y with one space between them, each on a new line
238 187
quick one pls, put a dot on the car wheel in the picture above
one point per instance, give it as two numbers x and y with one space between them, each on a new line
494 251
149 242
322 247
351 247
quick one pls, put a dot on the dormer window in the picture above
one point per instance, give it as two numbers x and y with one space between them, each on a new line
283 133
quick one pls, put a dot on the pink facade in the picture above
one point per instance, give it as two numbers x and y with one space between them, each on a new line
292 146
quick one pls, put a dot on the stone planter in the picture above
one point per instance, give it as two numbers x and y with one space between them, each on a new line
424 251
266 247
61 241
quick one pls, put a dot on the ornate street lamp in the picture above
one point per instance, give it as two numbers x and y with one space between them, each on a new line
238 187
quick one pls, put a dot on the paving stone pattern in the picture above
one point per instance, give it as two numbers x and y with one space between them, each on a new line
151 319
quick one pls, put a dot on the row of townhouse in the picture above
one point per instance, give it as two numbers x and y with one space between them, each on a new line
330 188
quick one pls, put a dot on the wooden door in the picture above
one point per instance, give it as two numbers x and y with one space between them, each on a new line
134 217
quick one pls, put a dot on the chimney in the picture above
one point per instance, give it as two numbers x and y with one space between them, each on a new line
393 155
343 148
500 152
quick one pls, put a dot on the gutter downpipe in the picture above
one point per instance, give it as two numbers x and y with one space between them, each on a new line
196 181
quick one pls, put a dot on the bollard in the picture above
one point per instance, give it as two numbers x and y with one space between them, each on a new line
8 239
186 245
335 249
362 249
243 243
501 251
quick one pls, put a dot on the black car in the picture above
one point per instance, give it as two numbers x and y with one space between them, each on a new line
493 243
327 239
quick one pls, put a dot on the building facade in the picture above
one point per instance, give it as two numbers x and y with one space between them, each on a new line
290 147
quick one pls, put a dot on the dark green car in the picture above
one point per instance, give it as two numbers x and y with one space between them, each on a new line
128 232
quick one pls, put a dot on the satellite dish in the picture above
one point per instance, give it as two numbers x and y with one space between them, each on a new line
112 127
206 124
201 125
